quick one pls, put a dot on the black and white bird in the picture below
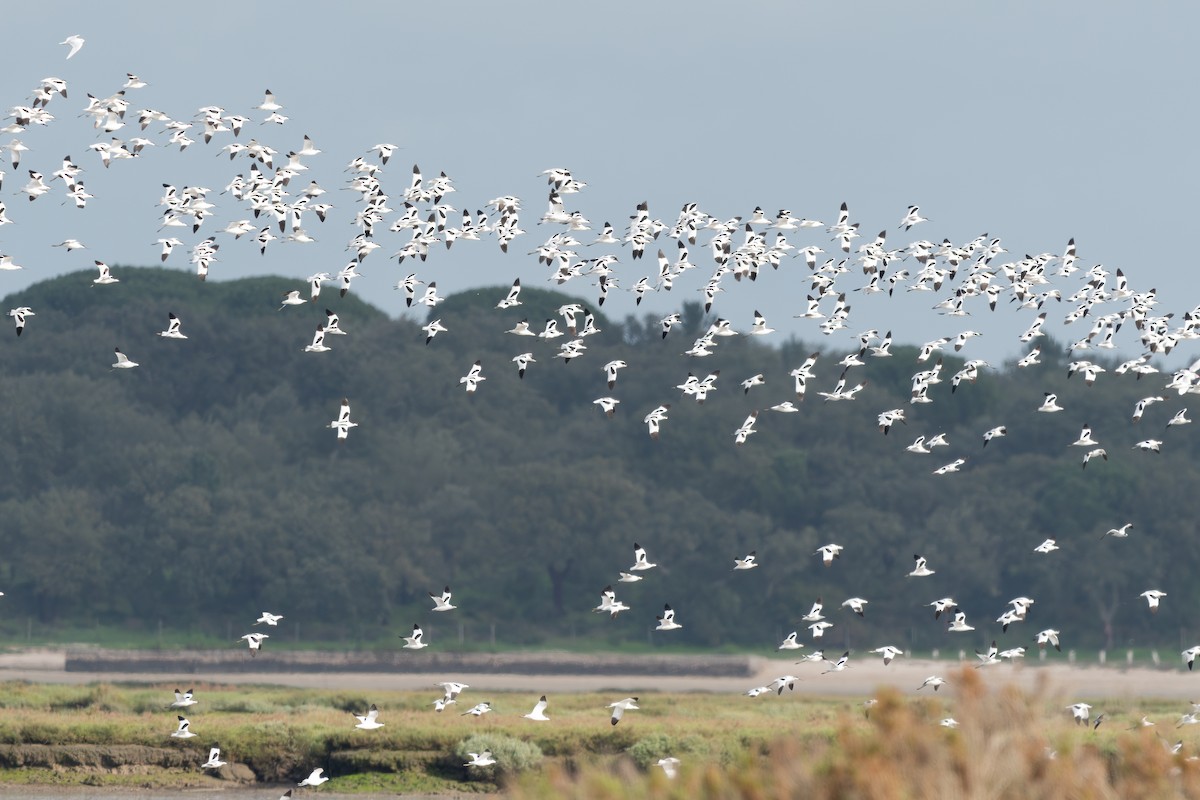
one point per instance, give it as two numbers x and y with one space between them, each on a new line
959 624
752 381
473 377
523 360
442 600
183 699
342 425
318 343
666 620
483 759
1190 654
994 433
1080 712
912 217
432 329
1048 636
414 642
607 404
748 562
315 778
214 759
856 604
920 570
1050 404
370 720
172 331
478 710
953 466
888 652
839 665
829 552
640 561
741 434
538 714
789 643
123 361
510 300
254 642
1153 596
20 314
620 707
183 731
609 602
106 277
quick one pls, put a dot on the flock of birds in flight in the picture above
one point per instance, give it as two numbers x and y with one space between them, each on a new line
963 276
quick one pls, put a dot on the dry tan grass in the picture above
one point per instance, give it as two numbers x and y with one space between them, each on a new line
1009 746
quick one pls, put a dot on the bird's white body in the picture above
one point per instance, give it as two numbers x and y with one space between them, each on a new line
414 642
123 361
620 707
483 759
370 720
183 731
315 778
538 714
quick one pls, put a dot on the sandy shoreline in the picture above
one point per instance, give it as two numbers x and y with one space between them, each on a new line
865 675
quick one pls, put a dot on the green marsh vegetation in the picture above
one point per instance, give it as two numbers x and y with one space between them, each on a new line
730 746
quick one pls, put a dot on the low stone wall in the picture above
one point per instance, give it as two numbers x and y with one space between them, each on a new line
542 663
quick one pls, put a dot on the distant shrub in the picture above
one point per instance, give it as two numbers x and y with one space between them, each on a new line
512 755
646 751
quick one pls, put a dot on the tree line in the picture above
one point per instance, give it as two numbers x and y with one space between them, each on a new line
206 486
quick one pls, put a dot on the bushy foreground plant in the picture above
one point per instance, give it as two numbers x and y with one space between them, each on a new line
512 755
1005 747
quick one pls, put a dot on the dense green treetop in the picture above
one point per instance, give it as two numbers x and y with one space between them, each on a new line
206 485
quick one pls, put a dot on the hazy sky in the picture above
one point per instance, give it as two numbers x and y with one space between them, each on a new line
1031 121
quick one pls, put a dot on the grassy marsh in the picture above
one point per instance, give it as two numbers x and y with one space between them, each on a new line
730 746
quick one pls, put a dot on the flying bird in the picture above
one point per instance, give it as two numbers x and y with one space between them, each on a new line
214 759
184 730
74 42
342 425
442 600
829 552
920 570
473 377
19 315
183 699
839 665
666 620
748 562
414 642
538 714
315 778
640 561
172 331
254 642
123 361
369 721
620 707
1153 596
478 710
483 759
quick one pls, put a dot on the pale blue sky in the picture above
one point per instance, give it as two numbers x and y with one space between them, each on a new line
1032 121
